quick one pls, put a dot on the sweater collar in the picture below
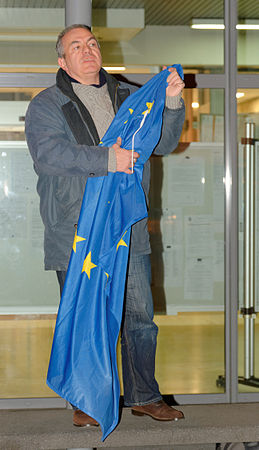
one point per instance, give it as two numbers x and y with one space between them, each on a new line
101 83
64 82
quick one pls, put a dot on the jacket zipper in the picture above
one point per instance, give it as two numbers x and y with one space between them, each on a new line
115 99
84 122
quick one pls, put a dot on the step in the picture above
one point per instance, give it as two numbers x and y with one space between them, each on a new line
204 424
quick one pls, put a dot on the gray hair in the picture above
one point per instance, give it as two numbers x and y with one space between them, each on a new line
59 45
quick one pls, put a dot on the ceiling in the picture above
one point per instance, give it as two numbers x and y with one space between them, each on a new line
164 12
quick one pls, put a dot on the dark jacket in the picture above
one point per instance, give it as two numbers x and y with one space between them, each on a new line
63 142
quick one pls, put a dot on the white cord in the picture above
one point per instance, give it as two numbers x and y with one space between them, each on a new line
133 137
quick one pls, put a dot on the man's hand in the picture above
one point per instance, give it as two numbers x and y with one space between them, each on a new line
123 158
175 83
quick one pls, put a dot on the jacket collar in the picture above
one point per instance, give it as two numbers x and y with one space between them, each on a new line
101 82
64 83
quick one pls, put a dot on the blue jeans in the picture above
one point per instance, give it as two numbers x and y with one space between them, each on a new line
138 334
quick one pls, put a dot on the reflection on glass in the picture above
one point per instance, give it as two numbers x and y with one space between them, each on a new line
187 237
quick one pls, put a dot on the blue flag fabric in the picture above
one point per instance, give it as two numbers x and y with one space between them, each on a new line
82 366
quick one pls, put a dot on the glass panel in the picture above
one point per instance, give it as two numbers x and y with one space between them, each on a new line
148 35
248 33
26 291
187 237
248 322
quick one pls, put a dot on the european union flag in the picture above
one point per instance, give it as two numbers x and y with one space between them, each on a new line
82 366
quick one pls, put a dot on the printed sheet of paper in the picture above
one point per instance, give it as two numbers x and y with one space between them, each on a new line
173 266
183 182
198 236
198 279
24 178
13 218
171 225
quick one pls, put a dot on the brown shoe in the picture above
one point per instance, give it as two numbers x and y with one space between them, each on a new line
158 411
80 419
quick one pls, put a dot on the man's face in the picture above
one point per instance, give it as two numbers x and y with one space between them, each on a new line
82 58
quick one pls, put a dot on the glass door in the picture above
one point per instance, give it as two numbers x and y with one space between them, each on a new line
248 134
186 221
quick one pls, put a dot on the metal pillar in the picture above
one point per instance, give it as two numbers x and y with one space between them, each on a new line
231 200
250 247
78 11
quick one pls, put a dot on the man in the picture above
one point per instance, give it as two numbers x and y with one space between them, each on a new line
64 125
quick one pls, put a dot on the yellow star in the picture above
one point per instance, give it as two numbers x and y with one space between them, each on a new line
88 265
122 242
131 112
149 106
76 240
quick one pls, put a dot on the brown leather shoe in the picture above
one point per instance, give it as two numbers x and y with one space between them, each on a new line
80 419
158 411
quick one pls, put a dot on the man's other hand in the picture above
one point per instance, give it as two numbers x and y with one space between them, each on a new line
175 83
123 158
